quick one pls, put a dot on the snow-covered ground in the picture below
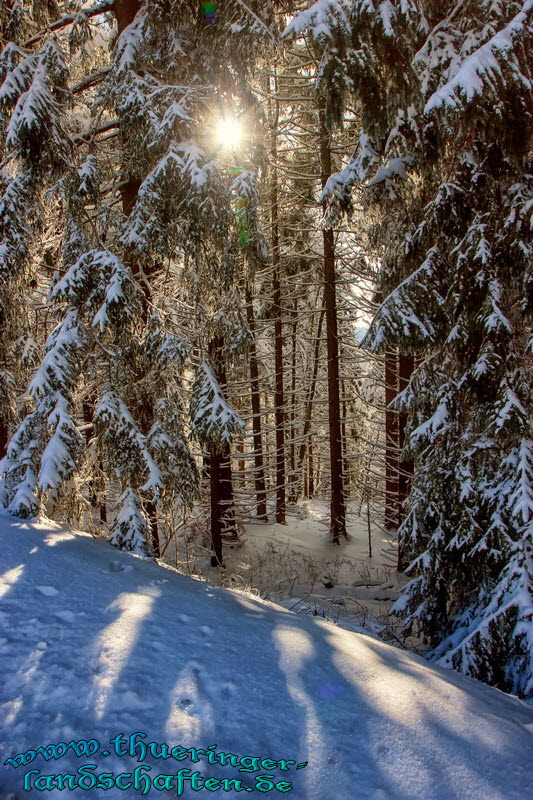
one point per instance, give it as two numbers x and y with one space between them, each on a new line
99 644
298 567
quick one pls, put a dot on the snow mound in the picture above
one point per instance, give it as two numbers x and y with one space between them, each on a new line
97 644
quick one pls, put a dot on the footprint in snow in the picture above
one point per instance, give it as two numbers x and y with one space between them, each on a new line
131 701
184 618
118 566
228 690
206 630
65 616
47 591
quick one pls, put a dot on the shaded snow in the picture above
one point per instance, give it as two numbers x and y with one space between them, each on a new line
125 645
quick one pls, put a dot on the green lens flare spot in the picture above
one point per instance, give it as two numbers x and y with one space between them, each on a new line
209 10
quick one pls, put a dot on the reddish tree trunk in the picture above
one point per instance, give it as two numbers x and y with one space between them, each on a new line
125 12
216 508
310 470
278 331
259 469
392 443
338 507
405 476
293 484
310 397
221 484
4 439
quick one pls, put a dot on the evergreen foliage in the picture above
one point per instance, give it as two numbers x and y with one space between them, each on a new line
117 346
444 156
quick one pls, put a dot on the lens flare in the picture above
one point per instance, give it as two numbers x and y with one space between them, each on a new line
229 132
210 11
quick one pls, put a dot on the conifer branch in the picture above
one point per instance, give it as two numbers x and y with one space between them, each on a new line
68 19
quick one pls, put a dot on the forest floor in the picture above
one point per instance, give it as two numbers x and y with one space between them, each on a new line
297 566
98 644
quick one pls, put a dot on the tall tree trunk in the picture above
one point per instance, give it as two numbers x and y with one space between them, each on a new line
125 12
215 459
392 443
229 525
239 447
221 484
293 483
310 399
310 470
4 439
338 506
278 326
406 367
346 466
259 469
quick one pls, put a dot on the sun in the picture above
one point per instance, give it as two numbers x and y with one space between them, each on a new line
229 132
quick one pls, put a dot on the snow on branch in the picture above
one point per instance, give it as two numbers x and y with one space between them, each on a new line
58 369
126 446
483 69
60 456
131 527
212 419
398 316
320 19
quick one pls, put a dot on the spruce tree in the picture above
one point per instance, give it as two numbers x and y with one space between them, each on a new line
444 158
118 340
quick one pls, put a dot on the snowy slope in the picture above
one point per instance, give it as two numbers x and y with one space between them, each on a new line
96 642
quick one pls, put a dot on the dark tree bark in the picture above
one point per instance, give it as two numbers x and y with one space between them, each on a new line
216 508
392 443
239 447
221 484
125 12
346 466
4 439
259 469
309 402
310 470
338 505
278 326
405 476
293 483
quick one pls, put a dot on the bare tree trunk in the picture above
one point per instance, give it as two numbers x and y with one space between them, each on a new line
221 484
346 466
338 507
125 12
239 447
392 443
310 467
406 367
310 397
4 439
293 484
278 326
229 525
259 469
216 507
